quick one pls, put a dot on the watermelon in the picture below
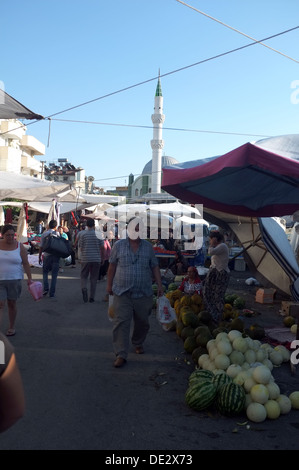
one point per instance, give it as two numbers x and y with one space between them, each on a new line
155 288
199 375
172 286
221 379
200 396
239 303
230 399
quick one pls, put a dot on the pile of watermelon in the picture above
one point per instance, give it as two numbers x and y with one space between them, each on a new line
235 376
207 389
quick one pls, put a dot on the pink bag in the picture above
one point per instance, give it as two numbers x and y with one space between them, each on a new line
36 290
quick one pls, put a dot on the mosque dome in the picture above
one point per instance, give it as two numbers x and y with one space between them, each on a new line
166 161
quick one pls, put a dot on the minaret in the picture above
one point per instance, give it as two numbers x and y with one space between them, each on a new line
157 143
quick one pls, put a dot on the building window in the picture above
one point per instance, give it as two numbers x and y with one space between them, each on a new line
136 192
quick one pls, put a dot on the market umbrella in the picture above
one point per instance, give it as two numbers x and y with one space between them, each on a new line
28 188
248 181
266 249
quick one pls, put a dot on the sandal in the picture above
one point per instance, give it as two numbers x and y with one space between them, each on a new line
10 332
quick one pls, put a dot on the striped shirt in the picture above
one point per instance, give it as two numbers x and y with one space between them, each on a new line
90 247
133 270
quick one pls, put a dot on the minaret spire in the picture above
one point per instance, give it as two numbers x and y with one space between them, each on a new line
157 143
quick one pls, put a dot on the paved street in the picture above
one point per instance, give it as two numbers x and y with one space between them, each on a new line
76 399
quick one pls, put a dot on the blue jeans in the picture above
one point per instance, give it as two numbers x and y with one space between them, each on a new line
50 263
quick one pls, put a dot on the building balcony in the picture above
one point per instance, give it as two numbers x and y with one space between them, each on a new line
30 165
10 159
33 145
12 129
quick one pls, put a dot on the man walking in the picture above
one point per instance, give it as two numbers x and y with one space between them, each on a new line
92 255
50 262
132 267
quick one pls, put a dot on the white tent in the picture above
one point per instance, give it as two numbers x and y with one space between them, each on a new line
28 188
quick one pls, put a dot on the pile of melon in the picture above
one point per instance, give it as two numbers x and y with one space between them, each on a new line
194 324
235 375
290 322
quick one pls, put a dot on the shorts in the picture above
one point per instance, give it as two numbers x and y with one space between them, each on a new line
10 289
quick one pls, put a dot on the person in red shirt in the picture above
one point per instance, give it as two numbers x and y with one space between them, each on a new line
191 284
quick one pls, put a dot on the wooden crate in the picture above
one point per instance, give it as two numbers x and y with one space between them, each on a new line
290 308
265 296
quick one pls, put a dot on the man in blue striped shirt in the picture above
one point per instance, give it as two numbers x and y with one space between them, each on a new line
92 256
132 268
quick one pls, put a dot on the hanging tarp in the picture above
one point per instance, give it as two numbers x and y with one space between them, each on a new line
10 108
248 181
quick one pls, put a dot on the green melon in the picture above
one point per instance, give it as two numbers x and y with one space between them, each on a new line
179 327
200 396
205 317
203 336
190 344
187 331
172 286
189 319
239 303
230 399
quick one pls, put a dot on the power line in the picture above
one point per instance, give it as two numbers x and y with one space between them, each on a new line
204 131
174 71
237 31
161 76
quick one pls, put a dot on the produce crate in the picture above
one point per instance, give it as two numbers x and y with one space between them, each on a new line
265 296
290 308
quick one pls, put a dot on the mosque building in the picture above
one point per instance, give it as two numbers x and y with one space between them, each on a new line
147 186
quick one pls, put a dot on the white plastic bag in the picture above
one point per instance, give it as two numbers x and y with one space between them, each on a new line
36 290
165 312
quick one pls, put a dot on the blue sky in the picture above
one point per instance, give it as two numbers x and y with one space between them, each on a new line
59 54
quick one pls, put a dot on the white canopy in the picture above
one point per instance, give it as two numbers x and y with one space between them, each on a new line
28 188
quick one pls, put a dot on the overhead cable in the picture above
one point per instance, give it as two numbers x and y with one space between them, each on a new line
237 31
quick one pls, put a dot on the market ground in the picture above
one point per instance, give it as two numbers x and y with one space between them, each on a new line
77 400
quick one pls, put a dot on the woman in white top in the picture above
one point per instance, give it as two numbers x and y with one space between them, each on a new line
13 263
217 278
